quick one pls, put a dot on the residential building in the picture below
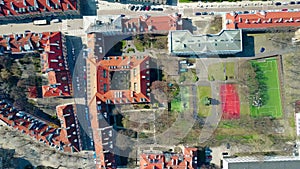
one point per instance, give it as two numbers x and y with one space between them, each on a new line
124 79
262 20
182 42
105 32
186 160
53 58
36 128
21 9
69 125
152 24
267 162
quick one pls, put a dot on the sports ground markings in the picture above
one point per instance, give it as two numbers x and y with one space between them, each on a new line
269 66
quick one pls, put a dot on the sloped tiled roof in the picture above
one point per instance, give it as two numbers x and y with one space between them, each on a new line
262 20
123 96
69 124
34 127
185 160
147 23
22 7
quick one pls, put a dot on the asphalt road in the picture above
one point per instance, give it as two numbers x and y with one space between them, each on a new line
188 10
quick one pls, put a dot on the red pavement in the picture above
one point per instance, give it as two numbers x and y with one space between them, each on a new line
230 102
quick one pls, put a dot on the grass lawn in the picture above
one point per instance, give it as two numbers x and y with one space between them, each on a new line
139 46
202 92
273 105
181 102
216 71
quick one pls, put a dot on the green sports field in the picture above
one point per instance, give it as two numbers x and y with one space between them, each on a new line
273 105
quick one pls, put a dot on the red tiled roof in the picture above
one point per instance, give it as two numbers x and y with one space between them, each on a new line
22 43
34 127
185 160
69 124
32 92
60 84
124 63
23 7
262 20
152 23
52 58
102 136
150 161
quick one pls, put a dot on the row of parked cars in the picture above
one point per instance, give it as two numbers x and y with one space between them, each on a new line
144 8
286 3
204 13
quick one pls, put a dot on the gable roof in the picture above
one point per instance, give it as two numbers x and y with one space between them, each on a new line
23 7
262 20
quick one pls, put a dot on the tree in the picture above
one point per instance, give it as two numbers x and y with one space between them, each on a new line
15 70
5 74
164 91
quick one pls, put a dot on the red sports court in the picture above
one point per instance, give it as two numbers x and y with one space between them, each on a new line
230 101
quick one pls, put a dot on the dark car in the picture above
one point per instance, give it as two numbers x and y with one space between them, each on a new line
147 8
160 9
198 13
132 8
246 12
204 13
298 2
143 8
292 2
137 8
278 3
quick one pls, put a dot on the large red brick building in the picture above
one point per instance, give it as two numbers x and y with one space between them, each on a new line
262 20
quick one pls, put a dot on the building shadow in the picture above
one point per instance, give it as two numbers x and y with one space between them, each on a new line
248 46
88 8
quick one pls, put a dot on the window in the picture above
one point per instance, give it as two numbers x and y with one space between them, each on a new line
104 74
135 87
104 87
134 72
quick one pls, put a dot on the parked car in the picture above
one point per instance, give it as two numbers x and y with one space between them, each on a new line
148 8
160 9
292 2
198 13
204 13
137 8
278 3
132 7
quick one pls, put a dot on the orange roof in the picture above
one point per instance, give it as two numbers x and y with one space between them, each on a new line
23 7
24 42
185 160
150 161
262 20
59 84
32 92
69 125
121 64
34 127
102 135
152 23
